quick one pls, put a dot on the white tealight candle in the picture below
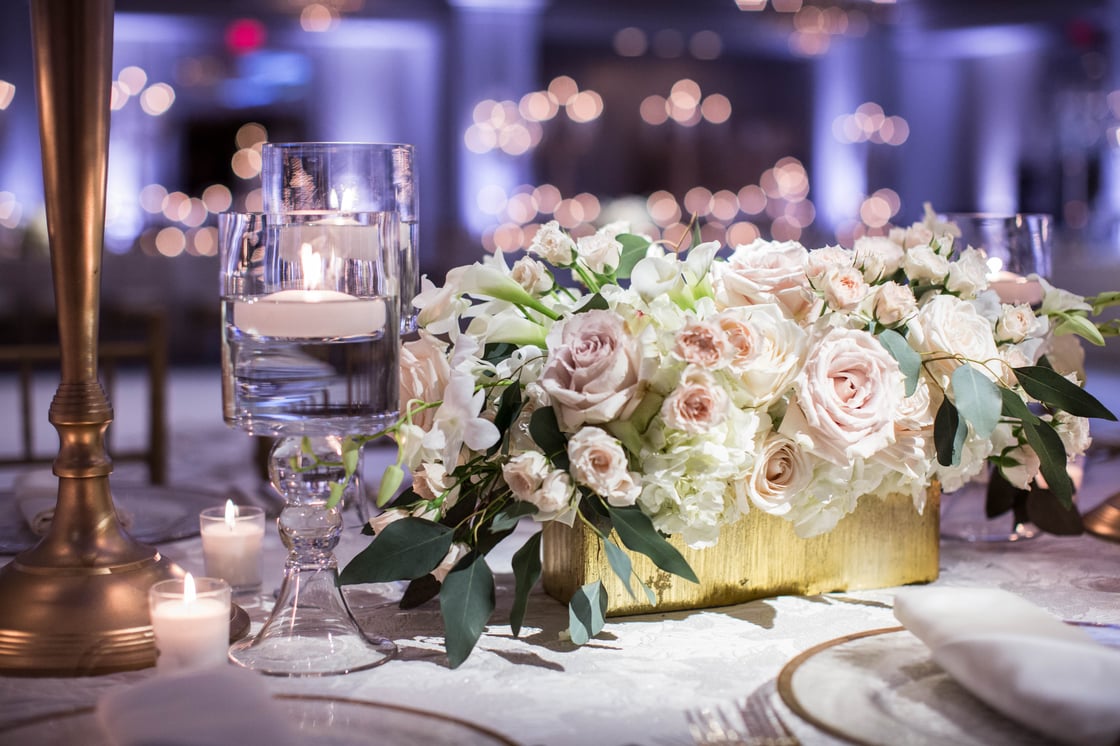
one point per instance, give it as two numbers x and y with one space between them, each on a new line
1013 288
310 314
190 621
231 545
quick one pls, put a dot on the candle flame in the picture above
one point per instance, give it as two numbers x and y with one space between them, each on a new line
995 264
312 264
231 514
189 593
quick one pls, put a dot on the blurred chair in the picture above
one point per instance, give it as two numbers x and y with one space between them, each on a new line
127 338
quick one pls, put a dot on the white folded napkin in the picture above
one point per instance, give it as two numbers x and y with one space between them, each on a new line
198 707
1020 660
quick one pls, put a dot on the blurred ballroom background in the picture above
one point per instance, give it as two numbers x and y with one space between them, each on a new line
816 120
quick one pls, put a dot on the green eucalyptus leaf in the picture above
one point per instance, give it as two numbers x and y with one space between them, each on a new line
420 591
511 514
526 572
496 352
977 398
1079 324
650 597
636 531
949 432
595 303
545 431
404 550
466 602
909 361
1053 515
509 407
697 239
1015 407
391 481
634 249
1044 439
1051 387
620 563
587 612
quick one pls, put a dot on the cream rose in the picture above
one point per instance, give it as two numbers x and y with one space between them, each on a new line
1016 323
820 261
598 461
531 275
847 397
592 371
968 275
923 264
947 324
525 472
893 303
780 473
767 272
457 551
378 523
423 376
878 257
553 244
844 288
600 252
697 404
554 495
767 350
702 343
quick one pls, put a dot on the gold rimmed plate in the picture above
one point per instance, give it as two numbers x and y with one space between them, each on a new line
326 721
881 688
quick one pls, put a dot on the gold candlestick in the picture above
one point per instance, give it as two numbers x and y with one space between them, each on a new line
76 603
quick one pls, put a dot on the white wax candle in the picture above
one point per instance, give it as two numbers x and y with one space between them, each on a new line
310 314
231 547
190 630
335 237
1013 288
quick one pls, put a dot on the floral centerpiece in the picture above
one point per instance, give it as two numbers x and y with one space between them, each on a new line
670 392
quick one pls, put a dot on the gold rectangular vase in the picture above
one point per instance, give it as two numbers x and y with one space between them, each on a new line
883 543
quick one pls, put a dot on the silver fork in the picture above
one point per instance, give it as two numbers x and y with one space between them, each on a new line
766 728
757 724
711 726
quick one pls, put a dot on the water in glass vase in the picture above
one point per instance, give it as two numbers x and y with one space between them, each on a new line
299 368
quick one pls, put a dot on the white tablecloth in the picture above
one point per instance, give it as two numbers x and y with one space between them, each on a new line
633 683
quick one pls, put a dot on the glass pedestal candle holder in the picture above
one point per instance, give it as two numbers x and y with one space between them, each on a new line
310 355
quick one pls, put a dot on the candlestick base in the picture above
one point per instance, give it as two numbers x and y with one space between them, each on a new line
106 577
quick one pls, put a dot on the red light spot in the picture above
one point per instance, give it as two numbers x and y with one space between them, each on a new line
245 35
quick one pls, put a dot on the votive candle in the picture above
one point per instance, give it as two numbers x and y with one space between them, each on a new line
190 621
231 545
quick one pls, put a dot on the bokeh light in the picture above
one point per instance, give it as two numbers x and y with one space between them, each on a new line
157 99
630 42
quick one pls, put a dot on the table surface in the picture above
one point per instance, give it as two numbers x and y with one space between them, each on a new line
633 683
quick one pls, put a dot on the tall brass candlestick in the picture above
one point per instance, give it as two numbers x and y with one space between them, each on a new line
76 603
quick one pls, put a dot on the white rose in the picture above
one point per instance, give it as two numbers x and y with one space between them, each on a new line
598 461
767 272
767 350
531 275
923 264
383 519
592 371
553 244
1074 432
844 288
697 404
600 252
893 303
554 495
780 473
702 343
423 376
1024 468
947 324
878 257
1016 323
819 261
525 472
457 551
847 397
968 275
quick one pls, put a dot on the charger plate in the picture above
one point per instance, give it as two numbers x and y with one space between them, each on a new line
324 721
155 515
881 688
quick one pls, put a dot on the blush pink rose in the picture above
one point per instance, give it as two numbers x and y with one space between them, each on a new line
702 343
847 397
424 375
781 472
591 375
768 272
599 462
697 404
